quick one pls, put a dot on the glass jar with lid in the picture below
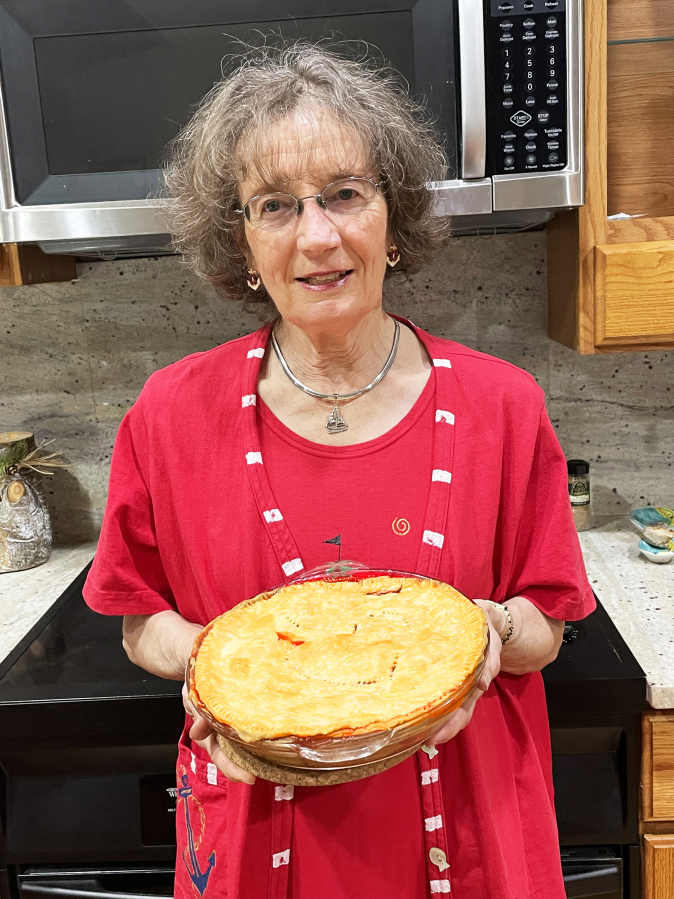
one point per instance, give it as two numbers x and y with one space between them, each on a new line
579 493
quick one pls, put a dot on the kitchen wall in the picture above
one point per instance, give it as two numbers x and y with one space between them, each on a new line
74 356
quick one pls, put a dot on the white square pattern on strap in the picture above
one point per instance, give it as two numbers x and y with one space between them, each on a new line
433 539
292 566
434 823
252 458
284 791
250 399
443 415
280 858
439 886
272 515
429 777
440 475
257 353
211 773
442 363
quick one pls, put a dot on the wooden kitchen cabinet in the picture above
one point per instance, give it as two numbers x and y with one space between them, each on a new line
657 804
611 283
658 867
22 264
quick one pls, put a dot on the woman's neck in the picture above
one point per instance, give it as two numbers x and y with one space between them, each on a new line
337 360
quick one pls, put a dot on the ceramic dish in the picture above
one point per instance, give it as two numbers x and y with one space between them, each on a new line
659 555
651 519
339 752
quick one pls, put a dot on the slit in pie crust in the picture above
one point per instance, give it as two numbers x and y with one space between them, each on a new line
337 658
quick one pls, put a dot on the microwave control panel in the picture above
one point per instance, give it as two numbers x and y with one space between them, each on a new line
527 93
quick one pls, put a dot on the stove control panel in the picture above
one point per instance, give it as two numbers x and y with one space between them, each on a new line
526 50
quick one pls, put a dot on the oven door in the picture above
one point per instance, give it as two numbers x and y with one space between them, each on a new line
593 876
118 882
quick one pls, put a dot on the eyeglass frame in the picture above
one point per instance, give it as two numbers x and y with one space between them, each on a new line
299 209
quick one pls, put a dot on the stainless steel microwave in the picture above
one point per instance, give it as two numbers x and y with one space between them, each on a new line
93 90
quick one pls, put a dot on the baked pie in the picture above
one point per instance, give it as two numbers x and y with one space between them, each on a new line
337 657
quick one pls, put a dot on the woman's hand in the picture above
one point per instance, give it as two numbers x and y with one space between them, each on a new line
162 644
203 735
461 717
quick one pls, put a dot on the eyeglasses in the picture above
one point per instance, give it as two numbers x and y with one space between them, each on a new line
348 196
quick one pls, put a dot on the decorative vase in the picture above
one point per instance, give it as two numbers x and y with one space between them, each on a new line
25 526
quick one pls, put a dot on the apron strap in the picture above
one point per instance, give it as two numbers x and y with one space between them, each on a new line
282 819
279 533
435 834
435 525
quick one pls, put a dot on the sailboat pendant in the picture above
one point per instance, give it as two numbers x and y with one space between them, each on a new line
335 423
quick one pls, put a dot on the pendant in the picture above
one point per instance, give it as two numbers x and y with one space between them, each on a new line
335 423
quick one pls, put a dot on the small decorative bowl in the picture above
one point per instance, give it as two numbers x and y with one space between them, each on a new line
657 554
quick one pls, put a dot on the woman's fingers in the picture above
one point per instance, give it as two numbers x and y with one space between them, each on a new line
493 661
462 716
202 734
200 729
227 767
457 720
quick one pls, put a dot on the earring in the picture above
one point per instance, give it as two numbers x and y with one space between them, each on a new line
393 256
253 280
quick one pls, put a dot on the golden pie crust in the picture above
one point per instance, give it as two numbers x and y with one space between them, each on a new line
337 657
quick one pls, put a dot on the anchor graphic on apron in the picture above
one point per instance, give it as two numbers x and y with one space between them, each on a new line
198 877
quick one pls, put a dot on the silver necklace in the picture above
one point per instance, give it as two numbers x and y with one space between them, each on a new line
335 423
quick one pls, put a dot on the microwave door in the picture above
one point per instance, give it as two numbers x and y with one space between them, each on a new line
470 194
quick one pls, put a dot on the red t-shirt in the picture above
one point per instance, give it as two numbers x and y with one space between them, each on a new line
213 500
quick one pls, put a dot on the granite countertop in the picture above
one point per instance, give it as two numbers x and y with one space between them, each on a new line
639 597
637 594
26 595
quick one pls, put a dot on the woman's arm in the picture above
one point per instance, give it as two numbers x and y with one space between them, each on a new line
535 640
534 644
161 644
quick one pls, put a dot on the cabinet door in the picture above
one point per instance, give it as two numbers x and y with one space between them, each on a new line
634 293
659 866
657 768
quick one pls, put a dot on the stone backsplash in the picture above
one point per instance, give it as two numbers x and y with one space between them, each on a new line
74 356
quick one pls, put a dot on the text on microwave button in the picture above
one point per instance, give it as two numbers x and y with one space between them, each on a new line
522 118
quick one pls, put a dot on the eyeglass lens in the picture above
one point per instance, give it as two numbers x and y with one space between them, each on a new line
346 197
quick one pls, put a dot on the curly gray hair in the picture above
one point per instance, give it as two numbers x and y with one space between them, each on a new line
209 158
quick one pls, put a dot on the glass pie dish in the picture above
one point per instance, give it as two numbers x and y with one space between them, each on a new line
340 749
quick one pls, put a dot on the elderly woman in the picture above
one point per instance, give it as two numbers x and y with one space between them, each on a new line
301 183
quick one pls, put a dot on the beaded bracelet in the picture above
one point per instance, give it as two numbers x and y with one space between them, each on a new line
509 631
508 634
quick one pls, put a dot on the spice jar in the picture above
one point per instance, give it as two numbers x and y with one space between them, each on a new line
579 493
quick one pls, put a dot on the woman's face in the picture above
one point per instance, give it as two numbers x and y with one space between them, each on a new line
319 267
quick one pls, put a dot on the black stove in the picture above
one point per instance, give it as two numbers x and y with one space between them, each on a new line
88 745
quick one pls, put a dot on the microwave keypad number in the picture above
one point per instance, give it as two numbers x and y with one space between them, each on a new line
527 73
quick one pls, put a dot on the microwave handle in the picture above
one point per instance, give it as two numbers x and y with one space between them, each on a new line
472 81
